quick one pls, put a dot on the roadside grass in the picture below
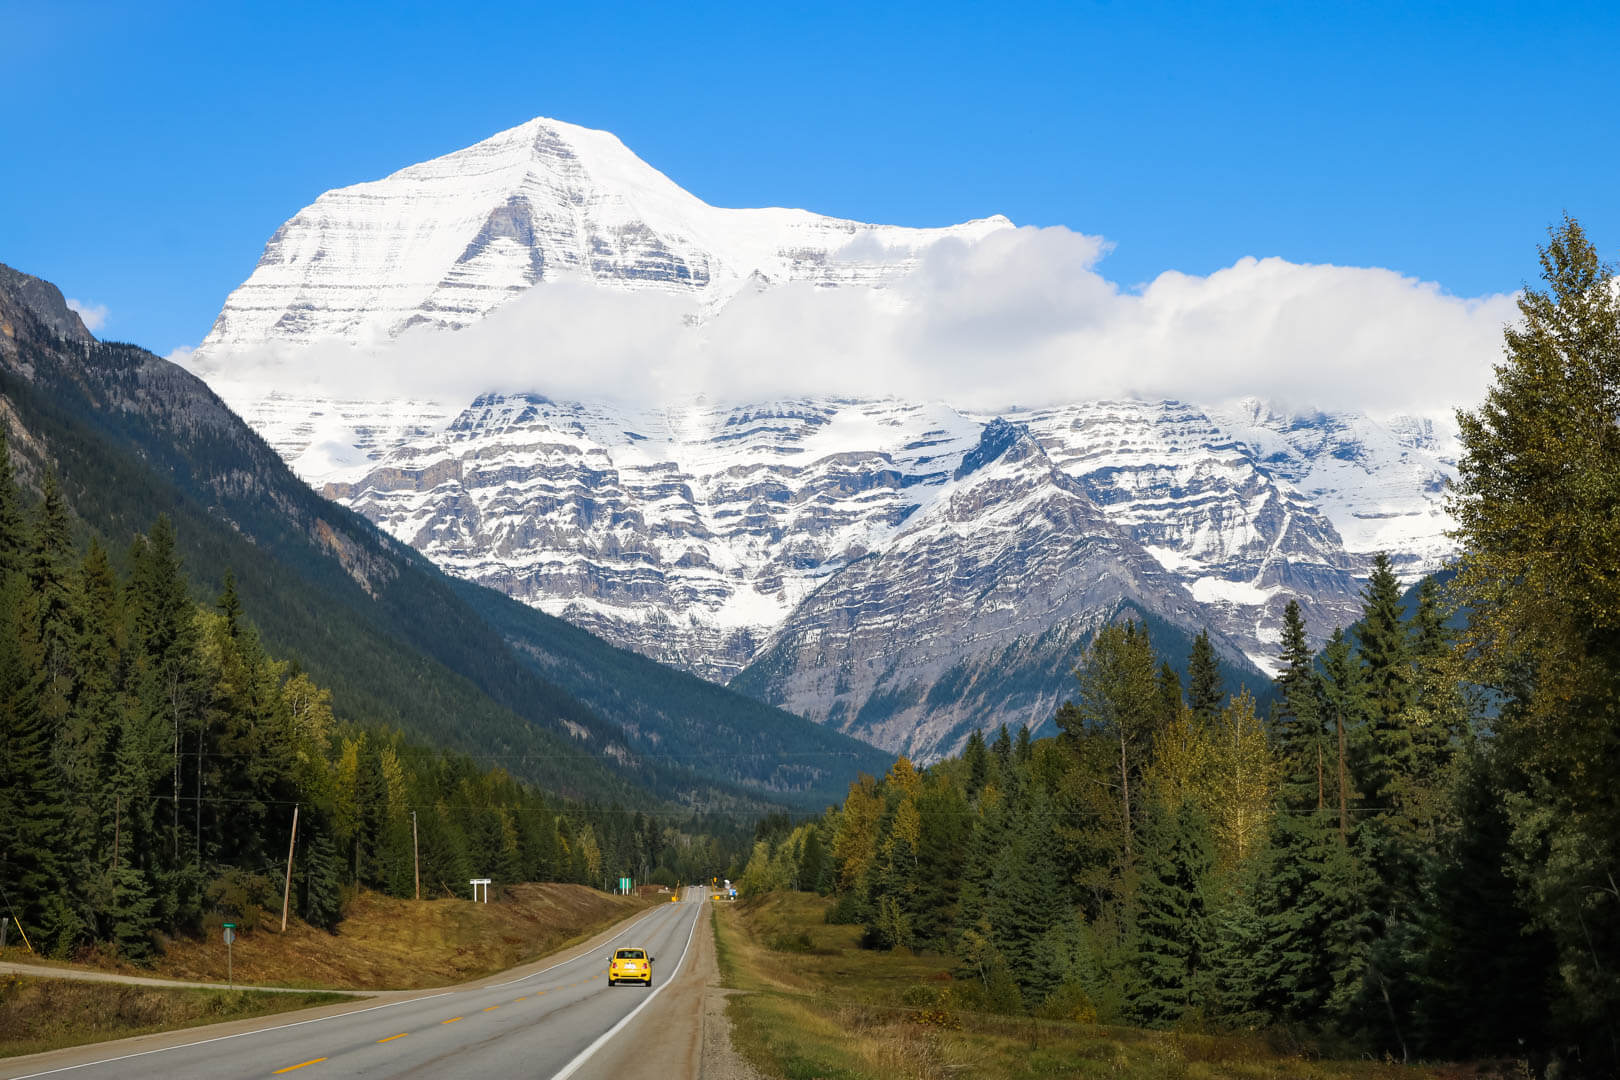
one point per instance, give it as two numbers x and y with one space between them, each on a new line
822 1008
48 1014
385 943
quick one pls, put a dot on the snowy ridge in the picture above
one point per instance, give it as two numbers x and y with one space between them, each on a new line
445 242
820 533
904 570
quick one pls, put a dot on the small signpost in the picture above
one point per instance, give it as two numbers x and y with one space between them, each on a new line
476 882
230 939
624 885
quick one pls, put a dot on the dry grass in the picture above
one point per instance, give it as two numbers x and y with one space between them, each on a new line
828 1010
389 944
48 1014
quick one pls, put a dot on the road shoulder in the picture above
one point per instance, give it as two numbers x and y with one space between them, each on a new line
684 1034
85 1053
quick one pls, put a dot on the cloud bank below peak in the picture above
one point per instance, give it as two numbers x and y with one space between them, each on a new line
1020 317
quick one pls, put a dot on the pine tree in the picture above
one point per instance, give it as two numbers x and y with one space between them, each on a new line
1205 690
1343 716
1385 650
1170 926
1432 638
1230 987
1312 902
1171 701
1119 701
977 757
1297 717
1023 902
322 877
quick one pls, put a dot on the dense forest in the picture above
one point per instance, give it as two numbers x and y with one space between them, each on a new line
1413 853
155 753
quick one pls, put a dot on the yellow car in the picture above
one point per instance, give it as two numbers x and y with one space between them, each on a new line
630 965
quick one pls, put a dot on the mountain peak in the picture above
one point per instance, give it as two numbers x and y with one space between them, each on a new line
444 242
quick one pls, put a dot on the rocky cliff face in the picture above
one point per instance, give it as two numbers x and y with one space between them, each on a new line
896 568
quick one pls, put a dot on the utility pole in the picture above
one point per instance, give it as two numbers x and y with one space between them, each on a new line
199 791
416 858
286 890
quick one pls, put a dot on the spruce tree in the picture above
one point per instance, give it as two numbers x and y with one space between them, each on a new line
1312 903
977 757
1119 703
1205 689
1384 647
1170 925
1024 899
1297 717
1343 720
1171 701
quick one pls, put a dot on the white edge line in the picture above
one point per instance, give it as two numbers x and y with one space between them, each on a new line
560 963
386 1005
238 1035
584 1055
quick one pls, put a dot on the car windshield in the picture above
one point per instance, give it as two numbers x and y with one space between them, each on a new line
630 954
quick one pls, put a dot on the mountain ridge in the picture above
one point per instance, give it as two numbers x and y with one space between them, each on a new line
444 242
133 436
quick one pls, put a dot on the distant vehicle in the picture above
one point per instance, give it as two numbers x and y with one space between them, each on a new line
630 965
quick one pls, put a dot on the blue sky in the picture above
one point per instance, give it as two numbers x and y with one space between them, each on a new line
150 149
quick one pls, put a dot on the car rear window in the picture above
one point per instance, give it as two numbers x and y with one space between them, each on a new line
630 954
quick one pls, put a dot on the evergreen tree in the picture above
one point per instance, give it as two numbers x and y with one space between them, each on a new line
1386 661
1312 903
941 854
1537 504
1205 689
13 534
1343 712
1118 701
977 757
1488 974
1171 702
322 878
1170 930
1021 905
1297 717
1431 636
1230 987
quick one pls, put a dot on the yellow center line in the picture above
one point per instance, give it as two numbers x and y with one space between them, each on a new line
491 1008
391 1038
525 997
300 1065
452 1020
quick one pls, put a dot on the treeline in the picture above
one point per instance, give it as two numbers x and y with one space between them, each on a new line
1414 854
154 754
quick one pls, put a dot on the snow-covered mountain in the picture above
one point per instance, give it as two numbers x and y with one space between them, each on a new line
905 570
446 242
838 552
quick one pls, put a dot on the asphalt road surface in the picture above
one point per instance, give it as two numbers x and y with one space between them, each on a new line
550 1023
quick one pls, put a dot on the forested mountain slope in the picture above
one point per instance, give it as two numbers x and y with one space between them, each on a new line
133 436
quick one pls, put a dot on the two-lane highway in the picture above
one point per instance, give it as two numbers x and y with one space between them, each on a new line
546 1024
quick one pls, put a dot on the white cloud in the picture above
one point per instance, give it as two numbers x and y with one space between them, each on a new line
94 316
1023 317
